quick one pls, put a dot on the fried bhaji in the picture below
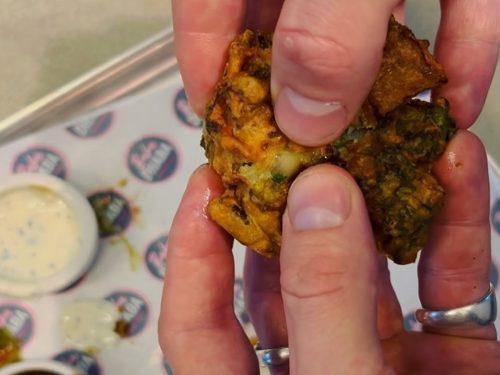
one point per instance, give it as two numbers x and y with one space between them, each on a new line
10 348
389 147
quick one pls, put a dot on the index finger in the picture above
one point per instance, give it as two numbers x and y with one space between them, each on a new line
467 45
203 30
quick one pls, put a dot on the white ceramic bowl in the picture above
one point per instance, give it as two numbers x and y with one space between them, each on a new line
38 368
86 222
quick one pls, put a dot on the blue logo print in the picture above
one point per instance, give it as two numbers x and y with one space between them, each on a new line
92 127
112 211
40 160
156 257
239 302
134 310
80 360
18 321
152 159
495 216
184 111
494 274
410 322
167 368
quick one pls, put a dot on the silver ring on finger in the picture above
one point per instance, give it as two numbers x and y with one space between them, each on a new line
272 357
480 313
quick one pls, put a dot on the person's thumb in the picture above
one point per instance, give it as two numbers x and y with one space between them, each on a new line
325 58
329 276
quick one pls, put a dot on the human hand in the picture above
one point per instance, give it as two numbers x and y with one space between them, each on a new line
326 54
329 297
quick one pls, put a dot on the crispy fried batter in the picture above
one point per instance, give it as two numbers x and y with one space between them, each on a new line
407 68
391 158
389 147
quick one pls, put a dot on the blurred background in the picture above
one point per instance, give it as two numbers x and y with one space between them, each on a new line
45 44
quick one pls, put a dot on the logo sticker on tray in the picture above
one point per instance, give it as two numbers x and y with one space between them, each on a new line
156 257
134 310
18 321
495 216
494 274
93 127
239 302
184 111
80 360
167 368
152 159
113 212
410 322
40 160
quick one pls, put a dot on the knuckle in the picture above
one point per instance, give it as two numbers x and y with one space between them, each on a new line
321 56
175 327
166 339
169 335
315 276
464 275
385 370
172 341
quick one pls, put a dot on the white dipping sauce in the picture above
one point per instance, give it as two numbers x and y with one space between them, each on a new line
90 323
39 234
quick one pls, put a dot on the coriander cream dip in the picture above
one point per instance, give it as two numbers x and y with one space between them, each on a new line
39 367
39 234
48 235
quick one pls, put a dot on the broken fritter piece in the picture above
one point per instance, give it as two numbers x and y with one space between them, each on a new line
389 148
407 69
392 163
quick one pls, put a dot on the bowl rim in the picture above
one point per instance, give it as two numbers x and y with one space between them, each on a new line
87 222
57 367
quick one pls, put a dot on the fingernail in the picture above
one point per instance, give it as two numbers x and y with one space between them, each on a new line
317 201
199 168
308 121
308 106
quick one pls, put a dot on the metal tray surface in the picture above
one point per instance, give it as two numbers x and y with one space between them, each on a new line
135 69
